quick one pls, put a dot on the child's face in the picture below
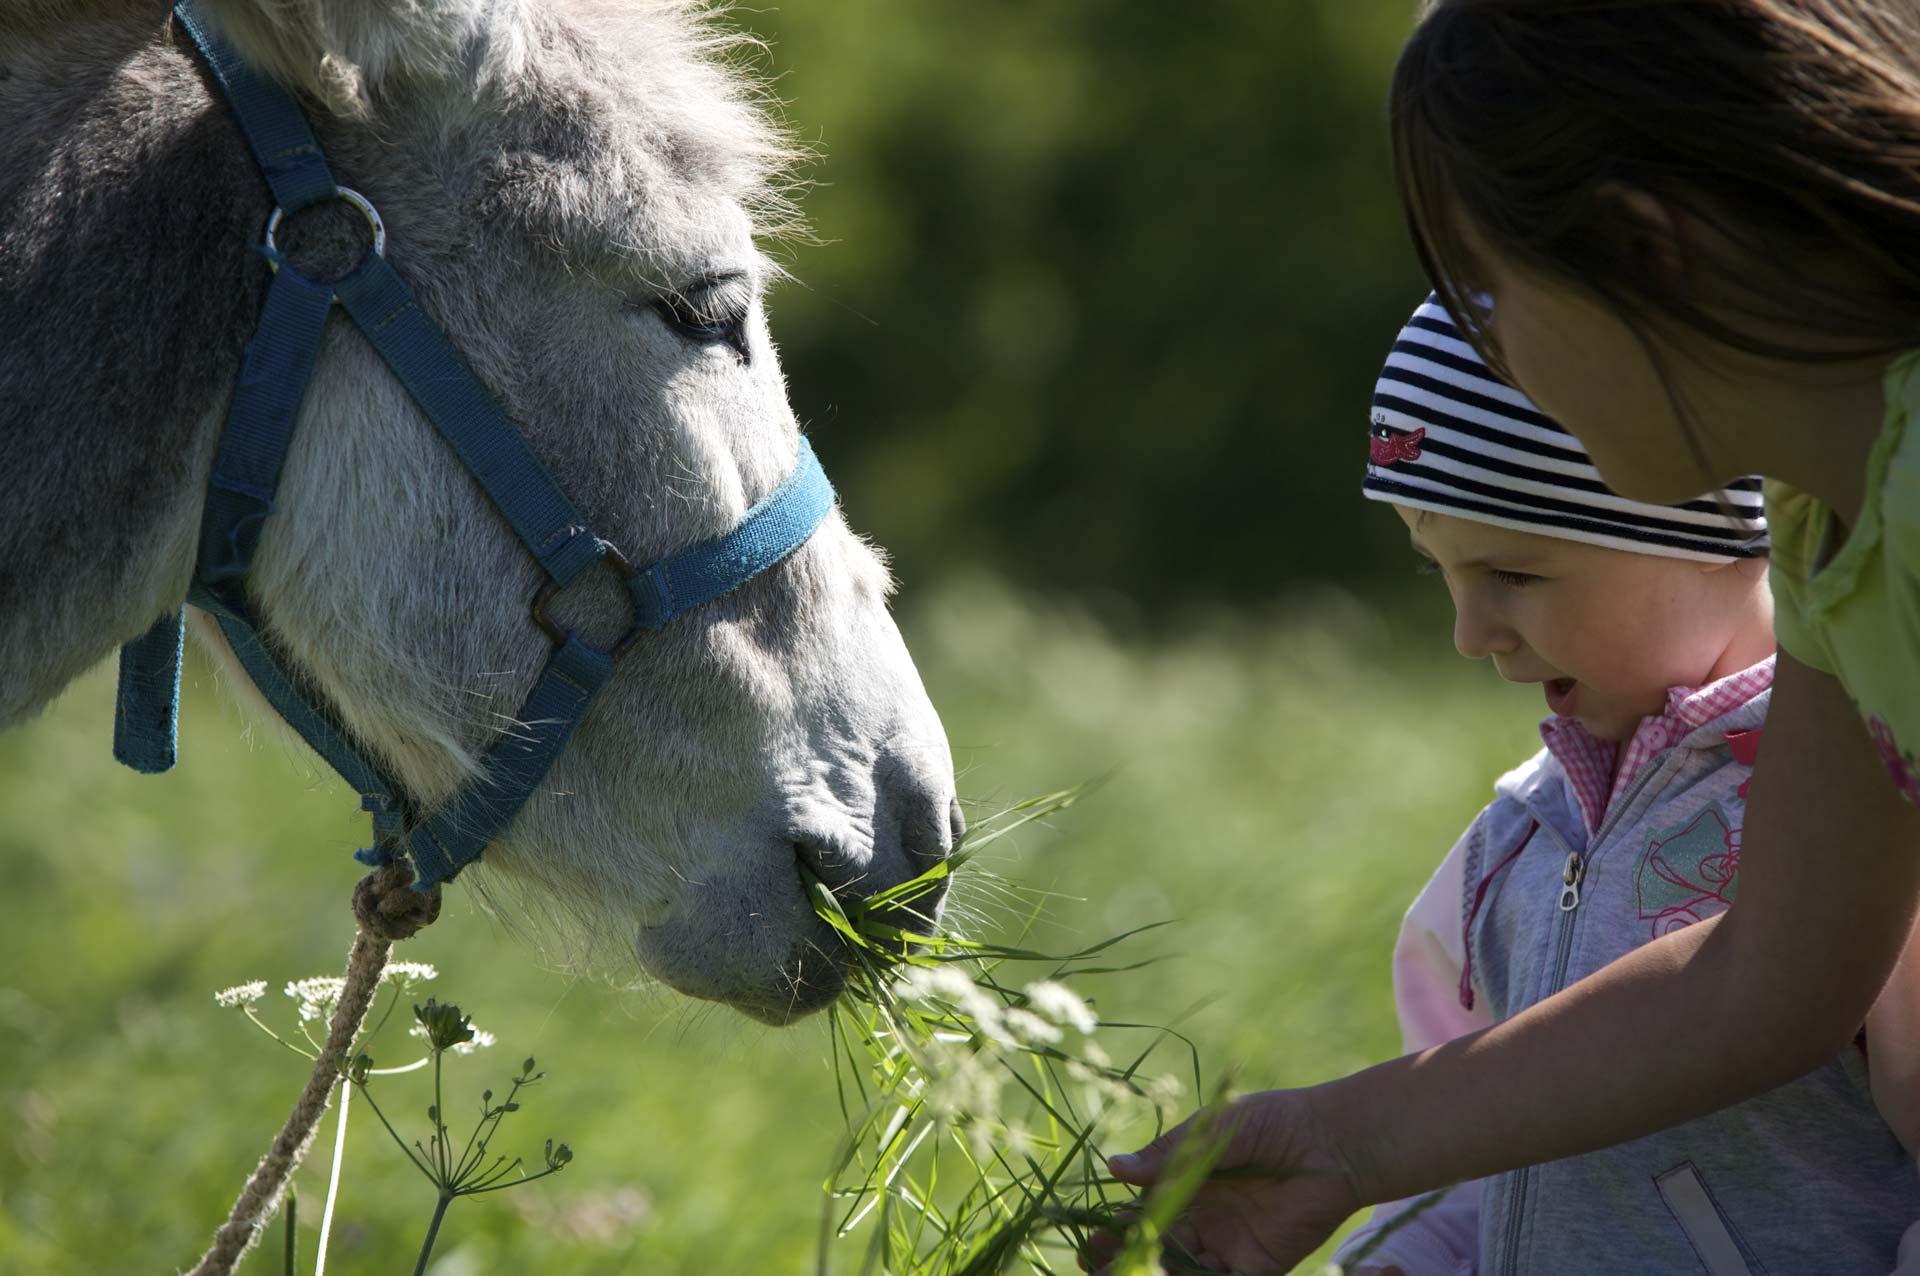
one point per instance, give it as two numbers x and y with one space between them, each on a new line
1606 632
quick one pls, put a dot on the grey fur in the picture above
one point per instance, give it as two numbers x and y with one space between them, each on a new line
546 170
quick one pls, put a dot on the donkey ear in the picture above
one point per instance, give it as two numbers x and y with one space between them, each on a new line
341 51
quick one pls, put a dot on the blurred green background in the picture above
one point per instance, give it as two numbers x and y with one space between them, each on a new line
1104 287
1087 343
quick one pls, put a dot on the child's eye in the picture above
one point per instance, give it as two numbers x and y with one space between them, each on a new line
1514 580
1426 566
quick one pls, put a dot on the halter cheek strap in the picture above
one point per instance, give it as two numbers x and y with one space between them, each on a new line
272 382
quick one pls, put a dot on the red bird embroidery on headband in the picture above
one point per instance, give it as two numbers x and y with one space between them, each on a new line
1386 449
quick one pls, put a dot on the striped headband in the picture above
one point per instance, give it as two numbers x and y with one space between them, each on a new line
1451 437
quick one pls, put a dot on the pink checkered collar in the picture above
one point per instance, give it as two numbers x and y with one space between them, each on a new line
1589 763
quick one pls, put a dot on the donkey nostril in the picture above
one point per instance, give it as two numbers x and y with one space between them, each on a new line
956 822
829 860
927 836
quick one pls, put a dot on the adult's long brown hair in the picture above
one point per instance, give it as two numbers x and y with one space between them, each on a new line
1784 136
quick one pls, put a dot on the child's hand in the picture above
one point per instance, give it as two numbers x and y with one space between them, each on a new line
1276 1194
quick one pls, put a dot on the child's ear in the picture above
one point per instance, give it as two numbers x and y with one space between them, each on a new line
339 51
1654 236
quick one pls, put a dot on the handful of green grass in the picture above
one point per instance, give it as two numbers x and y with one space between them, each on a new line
976 1091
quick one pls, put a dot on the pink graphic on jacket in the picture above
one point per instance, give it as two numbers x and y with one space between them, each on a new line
1899 763
1745 747
1689 873
1386 449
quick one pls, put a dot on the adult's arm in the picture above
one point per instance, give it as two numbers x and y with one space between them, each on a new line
1705 1017
1893 1047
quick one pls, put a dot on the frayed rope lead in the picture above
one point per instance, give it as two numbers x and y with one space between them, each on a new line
388 911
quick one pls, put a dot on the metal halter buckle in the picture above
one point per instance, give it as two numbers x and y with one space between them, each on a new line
615 562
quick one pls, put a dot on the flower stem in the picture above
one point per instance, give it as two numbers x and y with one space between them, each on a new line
398 1141
433 1230
258 1023
333 1179
443 1158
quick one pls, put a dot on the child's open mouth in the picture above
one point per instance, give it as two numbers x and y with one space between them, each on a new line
1560 695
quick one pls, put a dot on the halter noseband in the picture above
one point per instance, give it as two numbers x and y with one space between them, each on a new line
273 376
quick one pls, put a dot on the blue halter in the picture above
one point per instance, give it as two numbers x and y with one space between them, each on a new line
266 399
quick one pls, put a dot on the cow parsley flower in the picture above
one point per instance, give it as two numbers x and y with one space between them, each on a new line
317 995
241 994
408 973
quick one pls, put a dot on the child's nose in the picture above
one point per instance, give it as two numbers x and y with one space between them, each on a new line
1479 633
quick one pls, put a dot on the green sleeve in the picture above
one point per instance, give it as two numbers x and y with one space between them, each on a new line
1792 523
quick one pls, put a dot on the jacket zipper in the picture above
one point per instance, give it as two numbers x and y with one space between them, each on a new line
1573 875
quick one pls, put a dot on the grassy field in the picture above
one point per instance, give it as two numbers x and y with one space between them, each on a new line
1285 787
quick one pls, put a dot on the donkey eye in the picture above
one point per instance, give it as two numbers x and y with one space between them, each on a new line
712 311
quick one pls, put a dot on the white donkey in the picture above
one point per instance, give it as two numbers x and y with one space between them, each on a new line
571 187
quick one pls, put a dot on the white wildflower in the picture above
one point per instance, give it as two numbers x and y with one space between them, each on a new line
1165 1091
241 994
1030 1029
1061 1004
944 982
947 983
966 1090
989 1020
1099 1087
408 973
316 995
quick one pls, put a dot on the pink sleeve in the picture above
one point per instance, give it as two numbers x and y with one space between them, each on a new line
1444 1239
1430 955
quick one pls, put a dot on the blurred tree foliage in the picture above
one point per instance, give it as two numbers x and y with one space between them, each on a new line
1103 287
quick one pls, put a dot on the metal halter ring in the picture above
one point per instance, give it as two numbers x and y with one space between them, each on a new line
614 561
354 197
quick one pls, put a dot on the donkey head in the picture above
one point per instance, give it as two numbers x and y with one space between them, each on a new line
574 193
